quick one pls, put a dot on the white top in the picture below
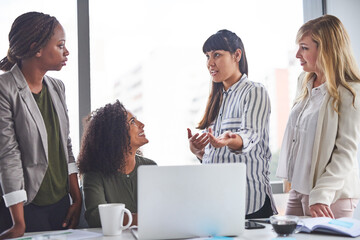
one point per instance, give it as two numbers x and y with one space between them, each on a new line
297 147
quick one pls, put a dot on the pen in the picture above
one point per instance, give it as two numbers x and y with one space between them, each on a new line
260 220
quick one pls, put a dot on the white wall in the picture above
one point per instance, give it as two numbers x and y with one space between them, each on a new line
347 11
312 9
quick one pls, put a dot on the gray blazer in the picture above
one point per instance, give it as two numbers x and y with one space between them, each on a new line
23 136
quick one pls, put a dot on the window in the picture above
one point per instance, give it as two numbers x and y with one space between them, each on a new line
148 54
66 13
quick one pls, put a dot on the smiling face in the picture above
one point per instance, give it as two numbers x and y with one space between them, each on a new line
308 54
53 55
224 66
136 132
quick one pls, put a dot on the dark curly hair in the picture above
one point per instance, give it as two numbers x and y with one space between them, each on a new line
29 28
105 141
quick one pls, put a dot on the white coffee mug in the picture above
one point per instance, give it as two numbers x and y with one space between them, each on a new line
112 217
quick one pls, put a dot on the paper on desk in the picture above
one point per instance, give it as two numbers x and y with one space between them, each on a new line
70 234
212 238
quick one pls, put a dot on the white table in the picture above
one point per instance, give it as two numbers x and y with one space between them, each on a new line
256 234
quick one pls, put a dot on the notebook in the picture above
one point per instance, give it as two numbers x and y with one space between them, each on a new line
191 201
342 226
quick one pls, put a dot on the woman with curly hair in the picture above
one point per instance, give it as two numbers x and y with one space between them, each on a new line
108 160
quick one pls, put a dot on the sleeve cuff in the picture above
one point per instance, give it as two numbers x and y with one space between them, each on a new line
72 168
318 197
15 197
249 140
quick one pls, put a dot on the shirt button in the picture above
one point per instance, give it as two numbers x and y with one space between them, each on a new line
293 140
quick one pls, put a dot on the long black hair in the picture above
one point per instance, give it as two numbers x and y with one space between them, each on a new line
29 33
227 41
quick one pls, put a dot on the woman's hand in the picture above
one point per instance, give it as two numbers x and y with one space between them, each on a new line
73 215
321 210
134 219
228 138
197 143
18 228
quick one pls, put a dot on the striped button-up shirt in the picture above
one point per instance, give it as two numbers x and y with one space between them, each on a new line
245 110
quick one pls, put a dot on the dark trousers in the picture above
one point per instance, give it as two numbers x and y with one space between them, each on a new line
5 217
38 218
264 212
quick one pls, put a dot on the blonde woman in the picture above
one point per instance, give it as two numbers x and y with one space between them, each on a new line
318 154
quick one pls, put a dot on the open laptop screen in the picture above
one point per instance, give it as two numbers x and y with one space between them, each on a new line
191 201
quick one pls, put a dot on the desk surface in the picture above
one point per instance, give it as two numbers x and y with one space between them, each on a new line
257 234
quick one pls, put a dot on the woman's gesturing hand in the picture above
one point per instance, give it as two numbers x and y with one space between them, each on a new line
197 143
228 138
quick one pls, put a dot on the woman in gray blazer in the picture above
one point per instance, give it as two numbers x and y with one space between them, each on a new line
37 166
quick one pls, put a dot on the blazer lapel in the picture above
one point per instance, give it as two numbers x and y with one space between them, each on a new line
317 139
31 105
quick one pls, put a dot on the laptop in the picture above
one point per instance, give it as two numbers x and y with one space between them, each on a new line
191 201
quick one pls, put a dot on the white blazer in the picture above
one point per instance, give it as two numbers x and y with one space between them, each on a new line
334 172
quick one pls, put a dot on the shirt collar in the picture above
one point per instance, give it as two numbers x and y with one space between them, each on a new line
322 87
236 85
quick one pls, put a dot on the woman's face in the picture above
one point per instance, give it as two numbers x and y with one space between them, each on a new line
136 132
53 55
224 66
308 54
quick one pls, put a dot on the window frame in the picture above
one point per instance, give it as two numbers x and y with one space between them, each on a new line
311 9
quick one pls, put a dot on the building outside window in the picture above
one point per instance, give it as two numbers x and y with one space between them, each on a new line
148 54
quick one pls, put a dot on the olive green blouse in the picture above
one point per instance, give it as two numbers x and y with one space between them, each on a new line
115 188
54 185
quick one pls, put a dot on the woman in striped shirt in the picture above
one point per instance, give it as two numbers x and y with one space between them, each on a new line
236 121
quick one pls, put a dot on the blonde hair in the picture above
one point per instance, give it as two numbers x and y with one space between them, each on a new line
335 57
